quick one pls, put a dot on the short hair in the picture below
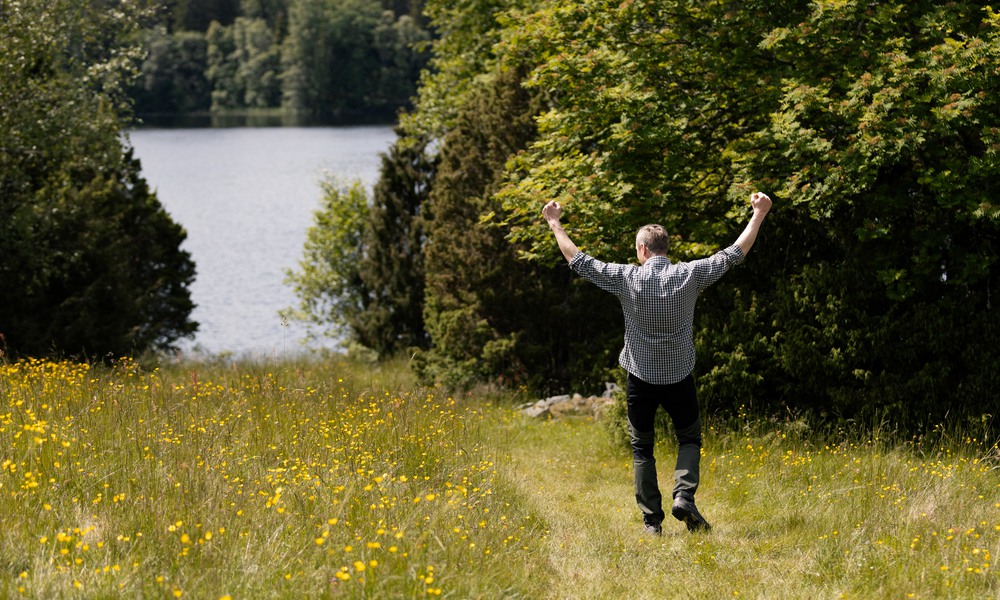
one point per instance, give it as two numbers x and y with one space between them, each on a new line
654 237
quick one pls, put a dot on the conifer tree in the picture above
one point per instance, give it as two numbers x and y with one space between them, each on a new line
392 266
90 263
489 314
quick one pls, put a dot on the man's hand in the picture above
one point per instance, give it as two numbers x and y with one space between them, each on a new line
552 213
760 203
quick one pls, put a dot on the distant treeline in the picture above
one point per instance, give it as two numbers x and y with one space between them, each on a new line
329 58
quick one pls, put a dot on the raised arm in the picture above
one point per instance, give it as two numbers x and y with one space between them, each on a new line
552 213
761 205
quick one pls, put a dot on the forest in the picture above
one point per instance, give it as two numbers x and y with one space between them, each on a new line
337 60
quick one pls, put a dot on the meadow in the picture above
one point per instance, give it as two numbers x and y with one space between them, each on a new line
309 479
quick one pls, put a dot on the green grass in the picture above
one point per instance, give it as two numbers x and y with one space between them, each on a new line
792 517
338 479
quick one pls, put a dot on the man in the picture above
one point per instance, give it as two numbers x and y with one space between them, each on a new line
658 300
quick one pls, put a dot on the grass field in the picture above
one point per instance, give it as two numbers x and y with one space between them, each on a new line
340 480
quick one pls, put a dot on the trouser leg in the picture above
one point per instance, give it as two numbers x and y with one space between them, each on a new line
683 410
641 412
647 490
687 473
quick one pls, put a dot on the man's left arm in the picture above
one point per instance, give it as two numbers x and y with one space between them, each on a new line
761 205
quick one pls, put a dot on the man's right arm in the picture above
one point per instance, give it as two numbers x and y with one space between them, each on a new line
552 213
761 205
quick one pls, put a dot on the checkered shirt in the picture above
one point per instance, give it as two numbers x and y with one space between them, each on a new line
658 301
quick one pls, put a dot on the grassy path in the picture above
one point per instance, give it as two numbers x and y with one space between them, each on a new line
583 487
790 520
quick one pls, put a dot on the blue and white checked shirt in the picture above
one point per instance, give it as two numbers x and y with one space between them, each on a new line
658 300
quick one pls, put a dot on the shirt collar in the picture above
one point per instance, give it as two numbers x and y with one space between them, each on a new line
657 259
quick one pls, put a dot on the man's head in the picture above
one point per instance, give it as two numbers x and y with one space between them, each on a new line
651 240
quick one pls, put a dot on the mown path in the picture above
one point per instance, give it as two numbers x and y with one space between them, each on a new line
583 488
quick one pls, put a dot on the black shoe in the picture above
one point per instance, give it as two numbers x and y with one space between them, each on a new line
685 510
651 529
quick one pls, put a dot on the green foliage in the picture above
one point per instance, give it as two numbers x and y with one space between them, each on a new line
244 65
90 261
392 264
329 284
274 12
362 276
173 73
466 32
645 97
348 57
340 58
872 126
198 15
489 314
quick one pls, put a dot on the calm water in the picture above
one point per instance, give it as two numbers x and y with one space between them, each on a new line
246 197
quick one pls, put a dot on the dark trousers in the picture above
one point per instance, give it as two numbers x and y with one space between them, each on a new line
681 403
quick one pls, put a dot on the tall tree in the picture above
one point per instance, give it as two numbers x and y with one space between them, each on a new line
392 265
488 313
465 35
244 65
89 261
173 73
329 56
197 15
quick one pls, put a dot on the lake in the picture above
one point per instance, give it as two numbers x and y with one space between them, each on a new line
246 197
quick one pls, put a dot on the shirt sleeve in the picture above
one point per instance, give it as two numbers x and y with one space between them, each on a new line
610 277
708 270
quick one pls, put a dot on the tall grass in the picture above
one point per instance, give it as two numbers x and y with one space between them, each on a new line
337 479
293 480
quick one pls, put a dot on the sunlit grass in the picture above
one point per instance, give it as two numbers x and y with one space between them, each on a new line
794 515
210 481
340 479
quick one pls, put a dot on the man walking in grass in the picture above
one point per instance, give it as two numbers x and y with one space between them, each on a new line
658 300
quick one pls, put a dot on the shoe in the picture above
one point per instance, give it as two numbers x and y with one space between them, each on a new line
651 529
685 510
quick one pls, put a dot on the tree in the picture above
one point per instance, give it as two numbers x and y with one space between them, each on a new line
329 56
197 15
329 284
402 47
173 73
392 265
244 65
462 51
274 13
90 263
489 314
